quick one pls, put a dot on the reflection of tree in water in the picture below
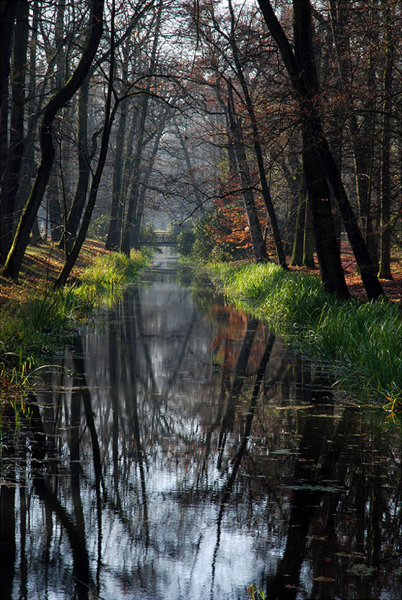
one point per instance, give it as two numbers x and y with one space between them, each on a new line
184 432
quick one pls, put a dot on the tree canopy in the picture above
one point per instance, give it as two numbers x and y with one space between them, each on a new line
273 128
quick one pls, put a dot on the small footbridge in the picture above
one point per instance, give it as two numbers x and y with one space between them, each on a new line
162 238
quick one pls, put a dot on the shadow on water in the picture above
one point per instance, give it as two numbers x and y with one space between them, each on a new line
185 452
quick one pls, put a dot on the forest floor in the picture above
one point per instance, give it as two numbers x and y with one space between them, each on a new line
392 288
42 263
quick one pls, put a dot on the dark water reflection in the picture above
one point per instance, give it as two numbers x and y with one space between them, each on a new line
189 454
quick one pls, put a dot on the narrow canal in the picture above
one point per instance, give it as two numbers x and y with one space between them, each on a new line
184 452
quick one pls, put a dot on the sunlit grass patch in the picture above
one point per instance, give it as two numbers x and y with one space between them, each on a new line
41 320
104 280
362 342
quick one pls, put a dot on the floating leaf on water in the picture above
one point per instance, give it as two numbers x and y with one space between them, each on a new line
362 570
294 407
315 488
283 452
328 416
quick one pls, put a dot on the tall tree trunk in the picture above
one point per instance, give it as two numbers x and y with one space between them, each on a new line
298 241
386 196
145 180
80 239
84 164
109 118
56 102
308 240
28 168
16 141
325 238
257 146
324 232
133 196
7 16
132 205
114 233
53 194
301 68
362 135
257 240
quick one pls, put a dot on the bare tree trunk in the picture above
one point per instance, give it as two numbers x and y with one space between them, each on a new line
16 142
385 239
298 241
145 180
84 159
308 240
114 233
133 200
7 16
257 148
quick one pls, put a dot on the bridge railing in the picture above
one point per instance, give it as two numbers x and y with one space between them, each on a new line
162 238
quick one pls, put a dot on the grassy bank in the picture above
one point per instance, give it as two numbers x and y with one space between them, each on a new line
36 319
360 342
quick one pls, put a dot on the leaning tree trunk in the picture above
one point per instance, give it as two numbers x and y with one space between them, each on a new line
324 232
305 56
56 102
257 239
109 117
302 71
325 237
72 257
298 240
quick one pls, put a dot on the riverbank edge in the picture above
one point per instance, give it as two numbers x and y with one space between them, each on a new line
36 319
359 343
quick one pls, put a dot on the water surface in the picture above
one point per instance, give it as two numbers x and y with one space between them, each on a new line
183 451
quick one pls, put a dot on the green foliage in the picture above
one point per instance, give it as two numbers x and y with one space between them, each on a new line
14 383
185 242
106 277
210 247
173 227
362 343
99 227
148 234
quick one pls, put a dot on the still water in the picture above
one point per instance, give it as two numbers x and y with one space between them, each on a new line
181 450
